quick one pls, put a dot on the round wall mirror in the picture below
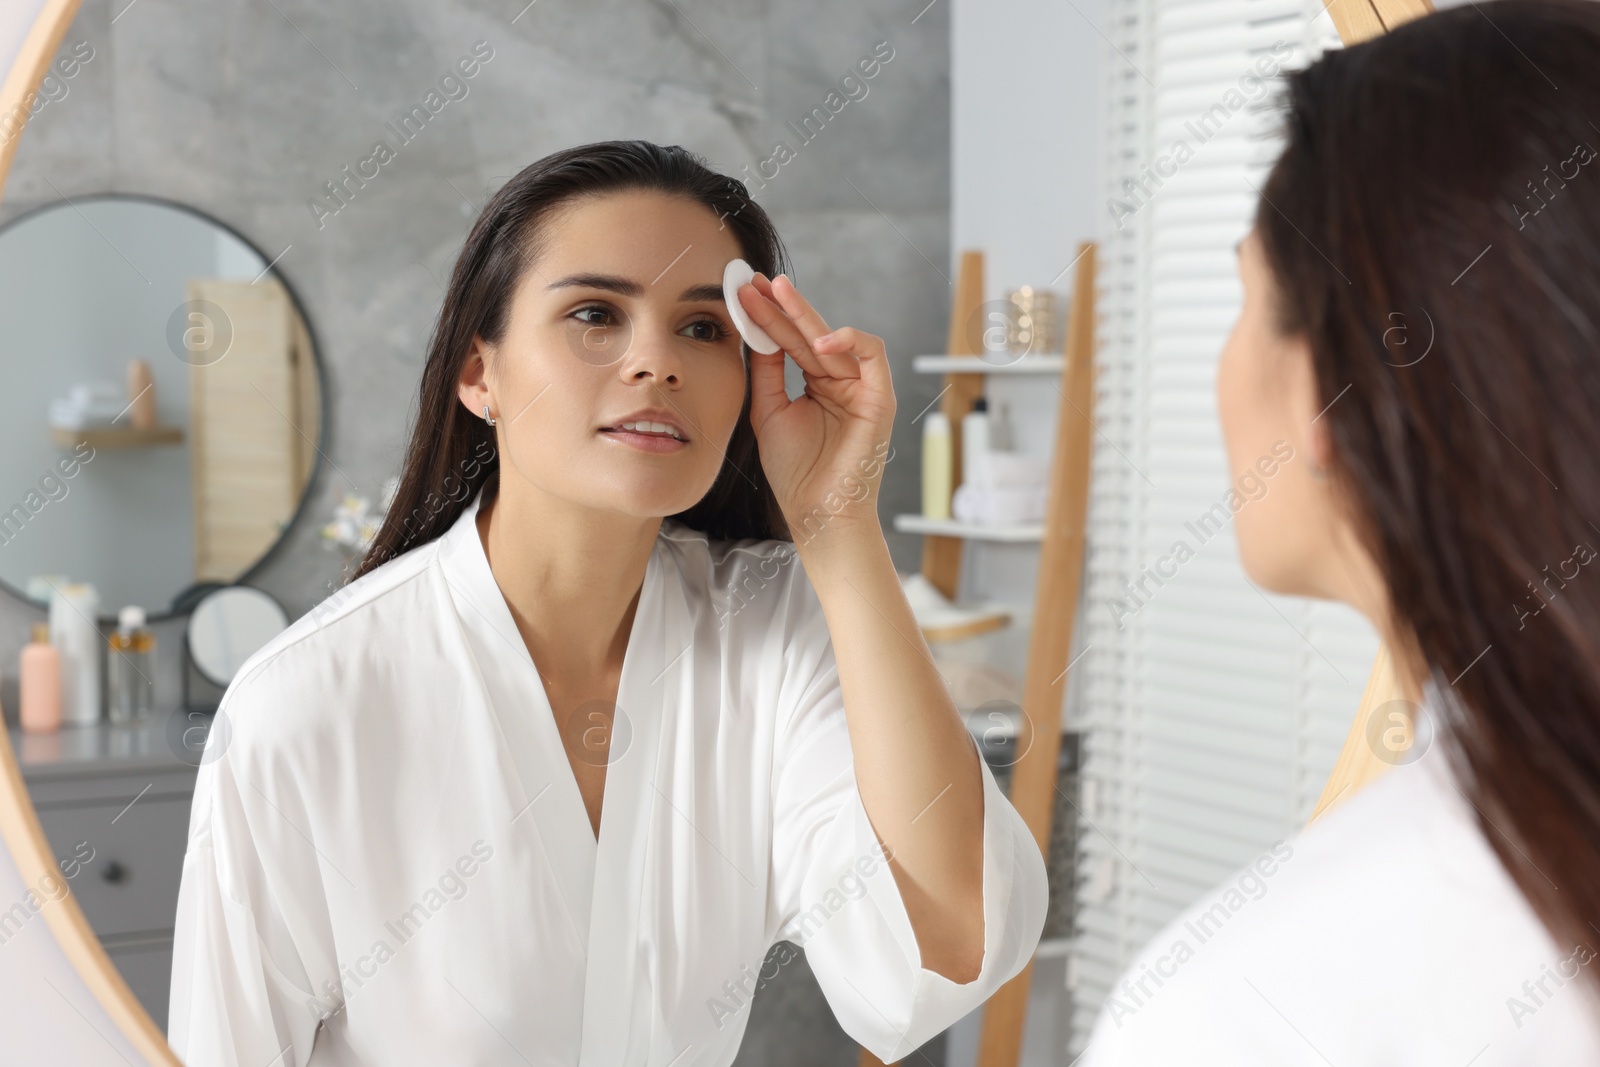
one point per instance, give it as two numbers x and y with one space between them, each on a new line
228 627
163 415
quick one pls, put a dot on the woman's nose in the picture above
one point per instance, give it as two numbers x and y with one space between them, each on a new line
652 355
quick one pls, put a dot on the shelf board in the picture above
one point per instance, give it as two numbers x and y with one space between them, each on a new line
983 364
110 437
951 528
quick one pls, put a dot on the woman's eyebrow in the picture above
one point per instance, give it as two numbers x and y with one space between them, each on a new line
628 287
609 282
701 292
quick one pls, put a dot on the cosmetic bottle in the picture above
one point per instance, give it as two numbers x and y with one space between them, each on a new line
130 663
975 445
937 460
39 684
73 610
1002 437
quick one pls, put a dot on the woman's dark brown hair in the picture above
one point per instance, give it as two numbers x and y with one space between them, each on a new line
1433 229
451 454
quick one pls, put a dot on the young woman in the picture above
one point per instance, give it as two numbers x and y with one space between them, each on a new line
591 730
1421 322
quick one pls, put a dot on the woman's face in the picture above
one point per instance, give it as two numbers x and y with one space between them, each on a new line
621 313
1267 399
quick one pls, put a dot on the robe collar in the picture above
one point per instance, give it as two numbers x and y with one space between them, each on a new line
603 883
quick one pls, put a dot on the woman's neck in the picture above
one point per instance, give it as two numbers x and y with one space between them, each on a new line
571 575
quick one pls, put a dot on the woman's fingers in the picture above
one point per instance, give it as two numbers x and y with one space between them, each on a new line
775 321
870 356
795 318
768 394
839 364
798 307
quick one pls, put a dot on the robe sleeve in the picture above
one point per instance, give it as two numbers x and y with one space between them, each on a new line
240 993
836 897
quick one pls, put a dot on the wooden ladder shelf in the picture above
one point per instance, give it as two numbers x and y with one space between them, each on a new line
1033 781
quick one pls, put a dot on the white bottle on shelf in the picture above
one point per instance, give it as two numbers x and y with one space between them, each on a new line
73 610
975 445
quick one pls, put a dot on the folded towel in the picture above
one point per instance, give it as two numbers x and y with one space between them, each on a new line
999 505
88 404
69 416
1018 469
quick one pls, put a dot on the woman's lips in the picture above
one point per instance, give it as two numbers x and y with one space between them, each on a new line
647 442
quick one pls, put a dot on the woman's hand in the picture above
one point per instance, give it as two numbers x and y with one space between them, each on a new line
824 451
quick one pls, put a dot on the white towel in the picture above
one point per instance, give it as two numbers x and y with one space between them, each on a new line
88 404
999 505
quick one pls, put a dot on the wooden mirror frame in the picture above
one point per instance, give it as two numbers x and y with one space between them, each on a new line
20 831
50 20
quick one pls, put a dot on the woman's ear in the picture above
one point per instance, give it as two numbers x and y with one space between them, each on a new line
474 387
1306 406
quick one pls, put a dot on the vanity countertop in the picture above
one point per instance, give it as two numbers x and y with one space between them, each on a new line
167 740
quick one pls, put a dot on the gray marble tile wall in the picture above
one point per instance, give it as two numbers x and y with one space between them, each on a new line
244 108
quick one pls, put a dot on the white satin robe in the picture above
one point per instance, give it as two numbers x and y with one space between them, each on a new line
390 862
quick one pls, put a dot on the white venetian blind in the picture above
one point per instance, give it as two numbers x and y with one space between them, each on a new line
1213 711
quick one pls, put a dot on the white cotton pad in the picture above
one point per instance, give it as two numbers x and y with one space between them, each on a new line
736 274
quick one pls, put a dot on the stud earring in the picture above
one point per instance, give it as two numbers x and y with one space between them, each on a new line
486 416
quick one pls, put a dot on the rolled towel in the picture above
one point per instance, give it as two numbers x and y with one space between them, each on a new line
1018 469
70 416
999 505
970 504
94 403
1018 505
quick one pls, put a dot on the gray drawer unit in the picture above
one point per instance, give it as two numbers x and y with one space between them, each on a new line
131 858
114 804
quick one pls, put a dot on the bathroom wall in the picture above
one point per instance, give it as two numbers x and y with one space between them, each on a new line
245 110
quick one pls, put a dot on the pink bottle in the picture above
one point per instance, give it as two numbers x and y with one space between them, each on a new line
39 684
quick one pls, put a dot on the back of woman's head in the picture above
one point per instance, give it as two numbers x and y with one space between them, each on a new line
451 453
1433 230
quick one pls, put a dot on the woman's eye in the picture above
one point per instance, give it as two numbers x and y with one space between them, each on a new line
711 330
605 318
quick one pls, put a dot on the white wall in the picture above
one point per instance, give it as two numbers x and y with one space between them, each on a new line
1024 116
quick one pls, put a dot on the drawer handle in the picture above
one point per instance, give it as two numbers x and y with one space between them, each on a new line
114 872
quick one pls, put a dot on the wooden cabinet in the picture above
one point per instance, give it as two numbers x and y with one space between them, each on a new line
114 804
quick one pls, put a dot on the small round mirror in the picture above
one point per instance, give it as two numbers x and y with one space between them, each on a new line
228 627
